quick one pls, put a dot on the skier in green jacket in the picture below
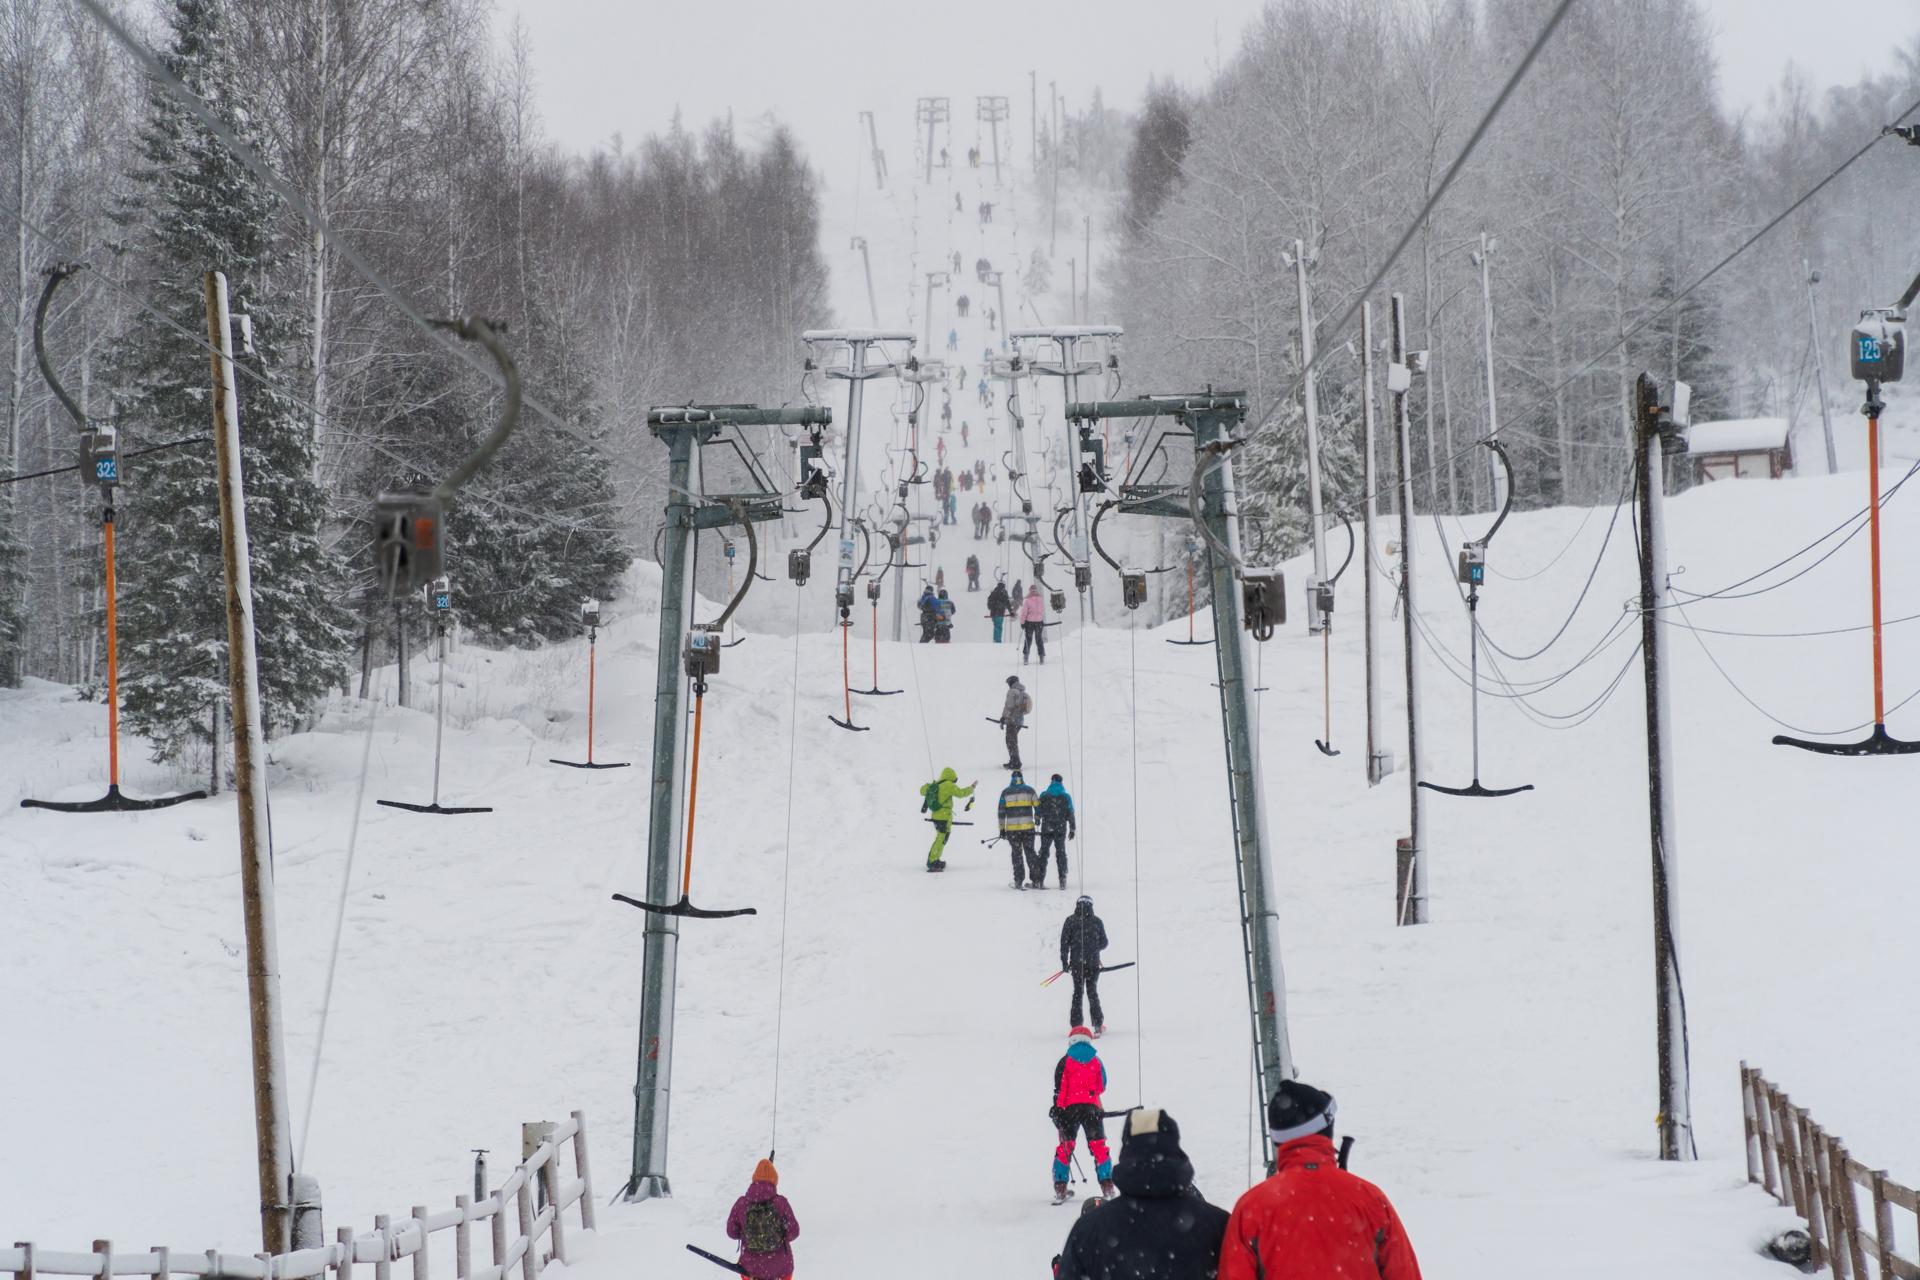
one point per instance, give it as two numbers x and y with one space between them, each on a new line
936 800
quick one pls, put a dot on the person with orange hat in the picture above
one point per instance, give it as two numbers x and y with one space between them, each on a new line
763 1222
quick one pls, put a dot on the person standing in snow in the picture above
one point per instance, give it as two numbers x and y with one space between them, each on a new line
1013 718
998 607
1312 1218
936 800
1079 1080
1033 623
944 634
1016 827
1082 938
1160 1228
1057 826
973 573
763 1222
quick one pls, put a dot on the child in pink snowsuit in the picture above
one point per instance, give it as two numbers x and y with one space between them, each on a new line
1033 624
763 1222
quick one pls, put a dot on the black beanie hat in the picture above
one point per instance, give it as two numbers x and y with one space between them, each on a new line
1012 680
1298 1111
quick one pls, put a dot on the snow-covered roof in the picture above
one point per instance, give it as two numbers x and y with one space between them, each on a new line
1737 435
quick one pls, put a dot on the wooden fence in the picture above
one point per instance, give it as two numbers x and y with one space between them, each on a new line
533 1196
1810 1171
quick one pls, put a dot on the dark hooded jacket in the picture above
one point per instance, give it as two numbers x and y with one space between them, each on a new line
1082 938
1159 1228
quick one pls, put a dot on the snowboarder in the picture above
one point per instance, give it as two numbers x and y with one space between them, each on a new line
936 800
1033 625
998 607
973 573
1013 718
1078 1081
763 1222
1016 827
1057 826
1082 938
1313 1218
1159 1228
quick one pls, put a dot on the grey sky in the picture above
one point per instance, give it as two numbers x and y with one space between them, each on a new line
614 66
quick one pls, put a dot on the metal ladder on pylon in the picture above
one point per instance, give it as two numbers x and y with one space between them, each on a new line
1246 918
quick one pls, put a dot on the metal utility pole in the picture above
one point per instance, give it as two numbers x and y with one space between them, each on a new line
1819 364
997 279
879 156
866 267
931 112
1073 291
1316 520
1210 419
1086 268
1379 760
992 112
1483 258
1033 120
272 1133
683 429
1412 876
856 374
1657 431
1053 203
935 279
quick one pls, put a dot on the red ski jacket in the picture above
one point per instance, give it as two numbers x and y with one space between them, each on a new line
1079 1078
1312 1220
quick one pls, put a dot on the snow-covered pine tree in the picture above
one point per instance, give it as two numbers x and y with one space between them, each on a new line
196 207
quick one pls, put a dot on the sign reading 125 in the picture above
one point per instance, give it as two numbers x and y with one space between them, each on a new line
1869 352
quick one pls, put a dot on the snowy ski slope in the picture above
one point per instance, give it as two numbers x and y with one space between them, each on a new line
1496 1066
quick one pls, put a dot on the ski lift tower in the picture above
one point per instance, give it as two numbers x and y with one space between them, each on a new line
714 480
992 112
1085 449
1165 481
1013 371
856 372
931 112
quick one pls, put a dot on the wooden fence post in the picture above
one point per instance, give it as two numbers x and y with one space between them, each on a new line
1832 1191
1746 1123
1849 1208
383 1269
580 1171
1807 1158
1790 1172
498 1226
1882 1225
530 1260
420 1258
1769 1139
463 1238
343 1269
26 1260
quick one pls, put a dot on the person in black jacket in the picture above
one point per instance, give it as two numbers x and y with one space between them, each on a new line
1082 938
1159 1228
1057 823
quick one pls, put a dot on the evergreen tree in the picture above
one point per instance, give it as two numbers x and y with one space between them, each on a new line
195 208
1160 139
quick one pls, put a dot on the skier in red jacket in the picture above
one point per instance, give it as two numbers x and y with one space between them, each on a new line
1078 1081
1312 1220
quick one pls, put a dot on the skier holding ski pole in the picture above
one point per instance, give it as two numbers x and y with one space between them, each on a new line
1079 1080
936 800
1082 938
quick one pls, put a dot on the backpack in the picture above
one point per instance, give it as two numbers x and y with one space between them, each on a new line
1026 704
930 796
762 1231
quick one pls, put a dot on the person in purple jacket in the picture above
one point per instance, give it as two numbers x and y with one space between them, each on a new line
763 1222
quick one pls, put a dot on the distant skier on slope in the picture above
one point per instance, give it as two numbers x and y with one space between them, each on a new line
1033 623
763 1222
1057 826
1079 1080
1013 718
943 634
936 801
1159 1228
973 573
1312 1218
998 607
1016 827
1082 938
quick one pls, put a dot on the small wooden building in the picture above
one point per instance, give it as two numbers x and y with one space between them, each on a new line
1742 448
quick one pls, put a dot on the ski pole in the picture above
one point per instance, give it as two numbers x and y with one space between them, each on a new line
1076 1166
717 1261
1047 982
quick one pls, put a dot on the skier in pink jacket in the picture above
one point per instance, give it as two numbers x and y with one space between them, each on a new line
1033 624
